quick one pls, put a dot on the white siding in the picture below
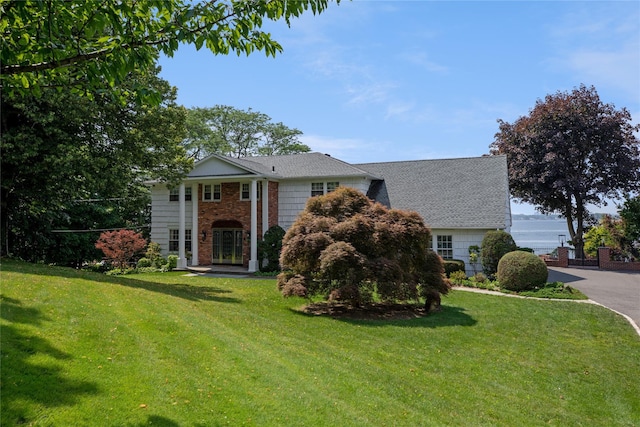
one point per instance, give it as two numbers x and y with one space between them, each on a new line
462 239
165 215
216 168
293 196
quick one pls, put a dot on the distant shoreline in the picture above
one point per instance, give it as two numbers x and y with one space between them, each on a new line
535 217
540 217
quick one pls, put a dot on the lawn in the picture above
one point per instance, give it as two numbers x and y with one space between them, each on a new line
171 350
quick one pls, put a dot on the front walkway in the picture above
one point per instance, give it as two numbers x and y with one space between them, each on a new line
618 291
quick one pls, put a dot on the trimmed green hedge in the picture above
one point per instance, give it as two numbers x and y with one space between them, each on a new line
451 265
495 244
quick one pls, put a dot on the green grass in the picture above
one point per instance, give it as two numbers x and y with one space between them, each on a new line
169 350
553 290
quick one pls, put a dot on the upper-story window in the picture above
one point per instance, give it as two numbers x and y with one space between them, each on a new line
212 192
174 194
445 246
245 190
320 188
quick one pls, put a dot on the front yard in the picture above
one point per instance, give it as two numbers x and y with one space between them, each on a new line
166 349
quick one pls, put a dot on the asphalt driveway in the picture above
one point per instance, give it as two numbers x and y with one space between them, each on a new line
619 291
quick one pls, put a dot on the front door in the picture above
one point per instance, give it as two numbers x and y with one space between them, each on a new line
227 246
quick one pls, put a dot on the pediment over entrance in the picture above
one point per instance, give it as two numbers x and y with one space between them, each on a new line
214 166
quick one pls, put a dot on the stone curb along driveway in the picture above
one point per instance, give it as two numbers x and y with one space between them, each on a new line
618 292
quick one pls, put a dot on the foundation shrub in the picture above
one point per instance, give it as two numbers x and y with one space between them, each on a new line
458 277
269 248
451 265
144 262
495 244
172 262
521 271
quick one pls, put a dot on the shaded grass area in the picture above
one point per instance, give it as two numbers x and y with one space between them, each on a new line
165 349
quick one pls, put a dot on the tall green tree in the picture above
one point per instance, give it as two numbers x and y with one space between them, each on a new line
238 133
608 232
61 149
630 214
95 44
279 139
571 150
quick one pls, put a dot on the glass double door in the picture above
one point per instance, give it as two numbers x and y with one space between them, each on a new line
227 246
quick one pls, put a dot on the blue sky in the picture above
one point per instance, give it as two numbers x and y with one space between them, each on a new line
373 81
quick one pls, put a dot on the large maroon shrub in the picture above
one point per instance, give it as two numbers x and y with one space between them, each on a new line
345 247
120 246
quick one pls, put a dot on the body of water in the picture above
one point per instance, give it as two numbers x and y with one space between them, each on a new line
539 234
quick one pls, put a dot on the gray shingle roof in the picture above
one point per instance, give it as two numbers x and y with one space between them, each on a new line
448 193
304 165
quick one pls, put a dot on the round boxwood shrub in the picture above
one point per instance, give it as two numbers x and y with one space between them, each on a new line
495 244
144 263
521 271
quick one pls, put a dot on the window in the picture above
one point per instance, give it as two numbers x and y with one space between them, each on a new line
445 247
212 192
174 240
174 194
331 186
317 189
245 190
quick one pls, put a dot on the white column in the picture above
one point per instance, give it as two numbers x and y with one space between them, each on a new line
182 259
253 259
265 206
195 229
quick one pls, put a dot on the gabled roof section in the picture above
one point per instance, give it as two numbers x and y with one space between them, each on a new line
307 165
220 166
293 166
447 193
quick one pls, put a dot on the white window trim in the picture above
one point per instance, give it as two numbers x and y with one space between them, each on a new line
213 193
174 194
188 239
325 188
441 249
242 199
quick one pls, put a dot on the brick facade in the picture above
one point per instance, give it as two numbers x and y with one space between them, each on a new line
230 212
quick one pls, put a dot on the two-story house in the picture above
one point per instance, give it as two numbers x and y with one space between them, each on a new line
224 205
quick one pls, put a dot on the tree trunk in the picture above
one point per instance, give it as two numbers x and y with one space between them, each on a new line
579 239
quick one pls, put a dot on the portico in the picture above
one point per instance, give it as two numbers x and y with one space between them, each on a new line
225 225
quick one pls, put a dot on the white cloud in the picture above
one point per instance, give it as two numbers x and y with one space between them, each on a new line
601 47
422 60
399 109
618 68
369 93
341 148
